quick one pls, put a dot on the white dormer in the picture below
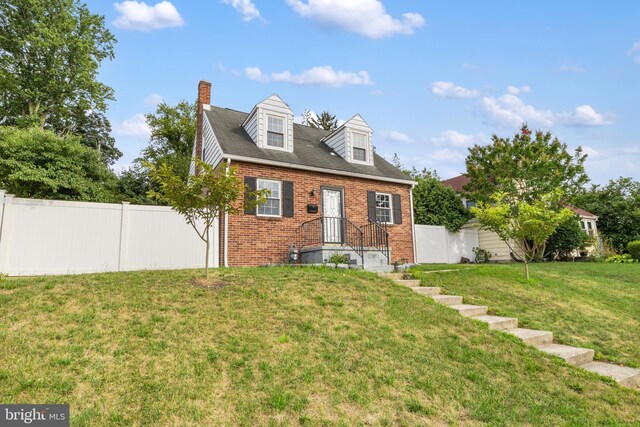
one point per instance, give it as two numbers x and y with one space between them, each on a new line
352 141
270 124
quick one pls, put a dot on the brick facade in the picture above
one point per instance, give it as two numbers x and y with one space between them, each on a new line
204 98
255 240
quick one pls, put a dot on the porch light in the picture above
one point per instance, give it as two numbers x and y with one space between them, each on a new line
293 254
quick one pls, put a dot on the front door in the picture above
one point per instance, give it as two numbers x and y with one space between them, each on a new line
332 213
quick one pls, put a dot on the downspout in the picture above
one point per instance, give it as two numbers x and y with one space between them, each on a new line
226 227
413 226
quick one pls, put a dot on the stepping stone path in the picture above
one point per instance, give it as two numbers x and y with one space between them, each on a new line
542 340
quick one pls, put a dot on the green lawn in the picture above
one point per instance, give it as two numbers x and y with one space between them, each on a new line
594 305
279 346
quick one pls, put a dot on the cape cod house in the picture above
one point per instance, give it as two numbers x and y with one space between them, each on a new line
329 191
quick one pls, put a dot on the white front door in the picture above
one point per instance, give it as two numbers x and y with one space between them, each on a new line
332 213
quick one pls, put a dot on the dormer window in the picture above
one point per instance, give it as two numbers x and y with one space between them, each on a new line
275 131
360 146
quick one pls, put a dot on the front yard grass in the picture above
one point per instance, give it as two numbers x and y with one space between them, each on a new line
279 346
594 305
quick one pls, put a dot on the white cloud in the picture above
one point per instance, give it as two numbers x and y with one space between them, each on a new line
246 8
572 68
397 136
518 90
140 16
321 76
366 17
450 90
632 150
590 152
635 52
510 111
447 155
456 139
585 115
153 100
134 127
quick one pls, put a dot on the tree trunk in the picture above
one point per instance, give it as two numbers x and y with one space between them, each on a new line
526 268
206 261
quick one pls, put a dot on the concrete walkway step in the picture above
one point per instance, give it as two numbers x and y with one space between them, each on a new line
447 299
468 310
575 356
410 283
499 323
532 337
393 276
628 377
427 290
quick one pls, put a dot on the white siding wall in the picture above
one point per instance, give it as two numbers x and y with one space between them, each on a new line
212 150
59 237
436 245
338 141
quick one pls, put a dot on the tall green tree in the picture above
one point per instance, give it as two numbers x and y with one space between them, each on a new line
617 206
203 198
173 132
94 130
325 121
524 167
38 163
50 54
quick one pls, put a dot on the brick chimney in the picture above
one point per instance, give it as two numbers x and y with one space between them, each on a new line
204 98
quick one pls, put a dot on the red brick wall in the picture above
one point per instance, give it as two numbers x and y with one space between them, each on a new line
255 240
204 98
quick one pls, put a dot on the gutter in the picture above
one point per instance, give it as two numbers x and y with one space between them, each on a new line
413 226
226 226
316 169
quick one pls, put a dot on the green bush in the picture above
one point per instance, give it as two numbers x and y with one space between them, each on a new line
634 249
621 259
337 258
567 238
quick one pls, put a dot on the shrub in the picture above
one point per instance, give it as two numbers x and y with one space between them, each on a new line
634 249
337 258
621 259
567 238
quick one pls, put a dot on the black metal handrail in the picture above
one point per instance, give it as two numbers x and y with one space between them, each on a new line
332 230
377 236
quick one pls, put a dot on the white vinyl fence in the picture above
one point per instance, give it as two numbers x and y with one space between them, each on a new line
436 245
58 237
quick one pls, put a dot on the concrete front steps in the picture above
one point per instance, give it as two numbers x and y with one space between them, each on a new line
542 340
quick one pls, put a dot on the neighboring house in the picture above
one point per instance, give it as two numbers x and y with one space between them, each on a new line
330 192
499 250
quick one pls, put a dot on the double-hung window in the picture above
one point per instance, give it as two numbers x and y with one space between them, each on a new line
275 131
271 206
384 213
360 143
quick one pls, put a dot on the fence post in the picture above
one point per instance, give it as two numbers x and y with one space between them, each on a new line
124 237
6 208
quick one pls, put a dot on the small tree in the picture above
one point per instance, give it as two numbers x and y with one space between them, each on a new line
567 238
203 198
527 225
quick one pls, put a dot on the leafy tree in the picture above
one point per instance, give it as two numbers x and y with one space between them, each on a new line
94 130
524 168
50 53
202 198
324 121
567 238
173 132
436 204
617 206
40 164
525 225
134 185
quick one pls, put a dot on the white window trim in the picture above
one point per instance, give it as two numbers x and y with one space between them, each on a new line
367 153
258 181
285 131
390 222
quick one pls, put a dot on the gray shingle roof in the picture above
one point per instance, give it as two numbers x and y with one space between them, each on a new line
308 150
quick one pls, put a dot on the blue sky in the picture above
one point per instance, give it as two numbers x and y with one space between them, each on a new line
431 78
